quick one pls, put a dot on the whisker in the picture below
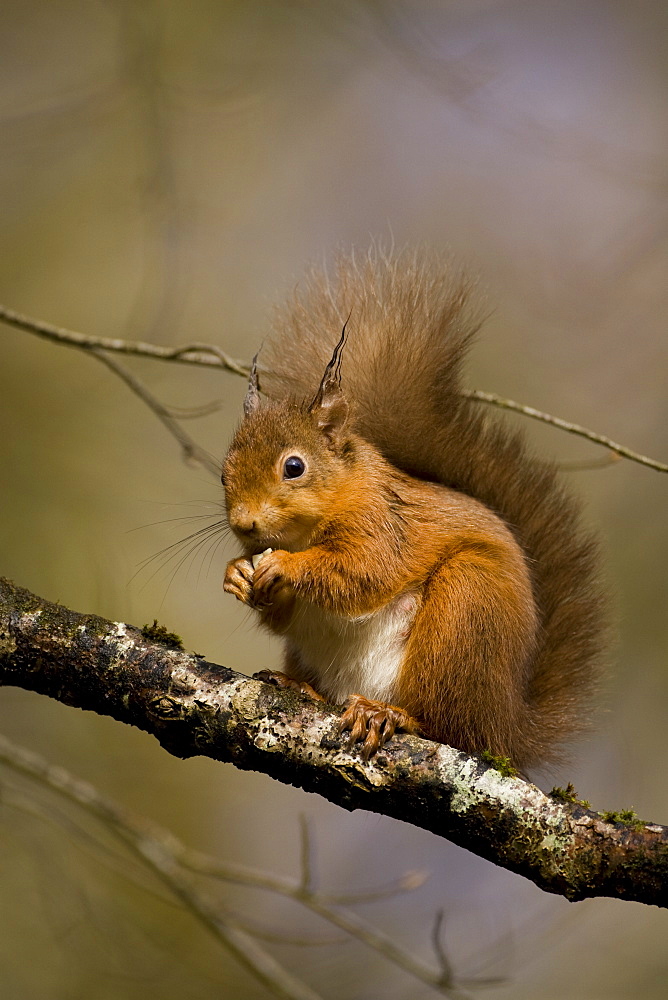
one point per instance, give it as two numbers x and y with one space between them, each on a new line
182 541
169 520
216 546
207 557
191 543
186 558
195 502
189 556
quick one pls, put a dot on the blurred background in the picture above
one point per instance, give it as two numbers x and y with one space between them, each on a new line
167 172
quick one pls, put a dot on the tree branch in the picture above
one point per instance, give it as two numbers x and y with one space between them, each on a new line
195 707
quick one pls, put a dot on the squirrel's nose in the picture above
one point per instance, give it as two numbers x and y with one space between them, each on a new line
242 520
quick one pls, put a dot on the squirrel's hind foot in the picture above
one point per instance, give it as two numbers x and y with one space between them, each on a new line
375 722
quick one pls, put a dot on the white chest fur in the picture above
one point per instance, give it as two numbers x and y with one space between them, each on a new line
344 656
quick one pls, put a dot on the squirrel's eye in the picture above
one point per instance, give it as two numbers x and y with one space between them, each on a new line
293 468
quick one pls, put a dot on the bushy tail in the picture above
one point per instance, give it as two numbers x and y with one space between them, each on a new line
409 327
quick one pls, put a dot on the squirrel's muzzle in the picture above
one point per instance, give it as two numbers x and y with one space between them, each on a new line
242 520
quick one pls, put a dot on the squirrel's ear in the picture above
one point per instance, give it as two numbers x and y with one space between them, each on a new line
330 411
252 400
329 407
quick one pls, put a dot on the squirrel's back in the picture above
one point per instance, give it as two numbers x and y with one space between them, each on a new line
410 323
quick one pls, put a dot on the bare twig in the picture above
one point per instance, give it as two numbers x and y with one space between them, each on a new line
306 883
319 904
195 412
173 862
564 425
191 450
439 949
611 458
258 961
207 355
408 882
211 356
273 937
158 850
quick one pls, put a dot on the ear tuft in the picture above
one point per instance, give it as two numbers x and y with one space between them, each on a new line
329 407
252 400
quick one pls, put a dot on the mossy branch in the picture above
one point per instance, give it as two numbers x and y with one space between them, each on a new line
194 707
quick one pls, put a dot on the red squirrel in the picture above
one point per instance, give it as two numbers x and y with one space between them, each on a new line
420 564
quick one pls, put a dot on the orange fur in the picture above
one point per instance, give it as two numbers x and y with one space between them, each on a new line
418 525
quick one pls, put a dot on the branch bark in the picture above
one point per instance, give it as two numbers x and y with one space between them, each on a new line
194 707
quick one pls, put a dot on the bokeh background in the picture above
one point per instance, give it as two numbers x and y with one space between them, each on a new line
167 170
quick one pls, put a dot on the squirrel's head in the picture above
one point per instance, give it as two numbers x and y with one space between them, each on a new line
286 463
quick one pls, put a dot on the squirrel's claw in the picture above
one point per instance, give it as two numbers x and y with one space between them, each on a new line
239 580
375 722
281 680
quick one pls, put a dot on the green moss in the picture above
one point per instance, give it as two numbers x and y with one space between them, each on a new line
626 816
158 633
568 794
501 764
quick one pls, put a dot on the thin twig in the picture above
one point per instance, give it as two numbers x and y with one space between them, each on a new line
408 882
344 919
211 356
121 868
128 870
195 412
159 850
272 937
170 859
564 425
207 355
259 962
191 450
439 949
306 854
612 458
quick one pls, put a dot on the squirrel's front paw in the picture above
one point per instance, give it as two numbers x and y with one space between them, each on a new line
239 580
270 582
